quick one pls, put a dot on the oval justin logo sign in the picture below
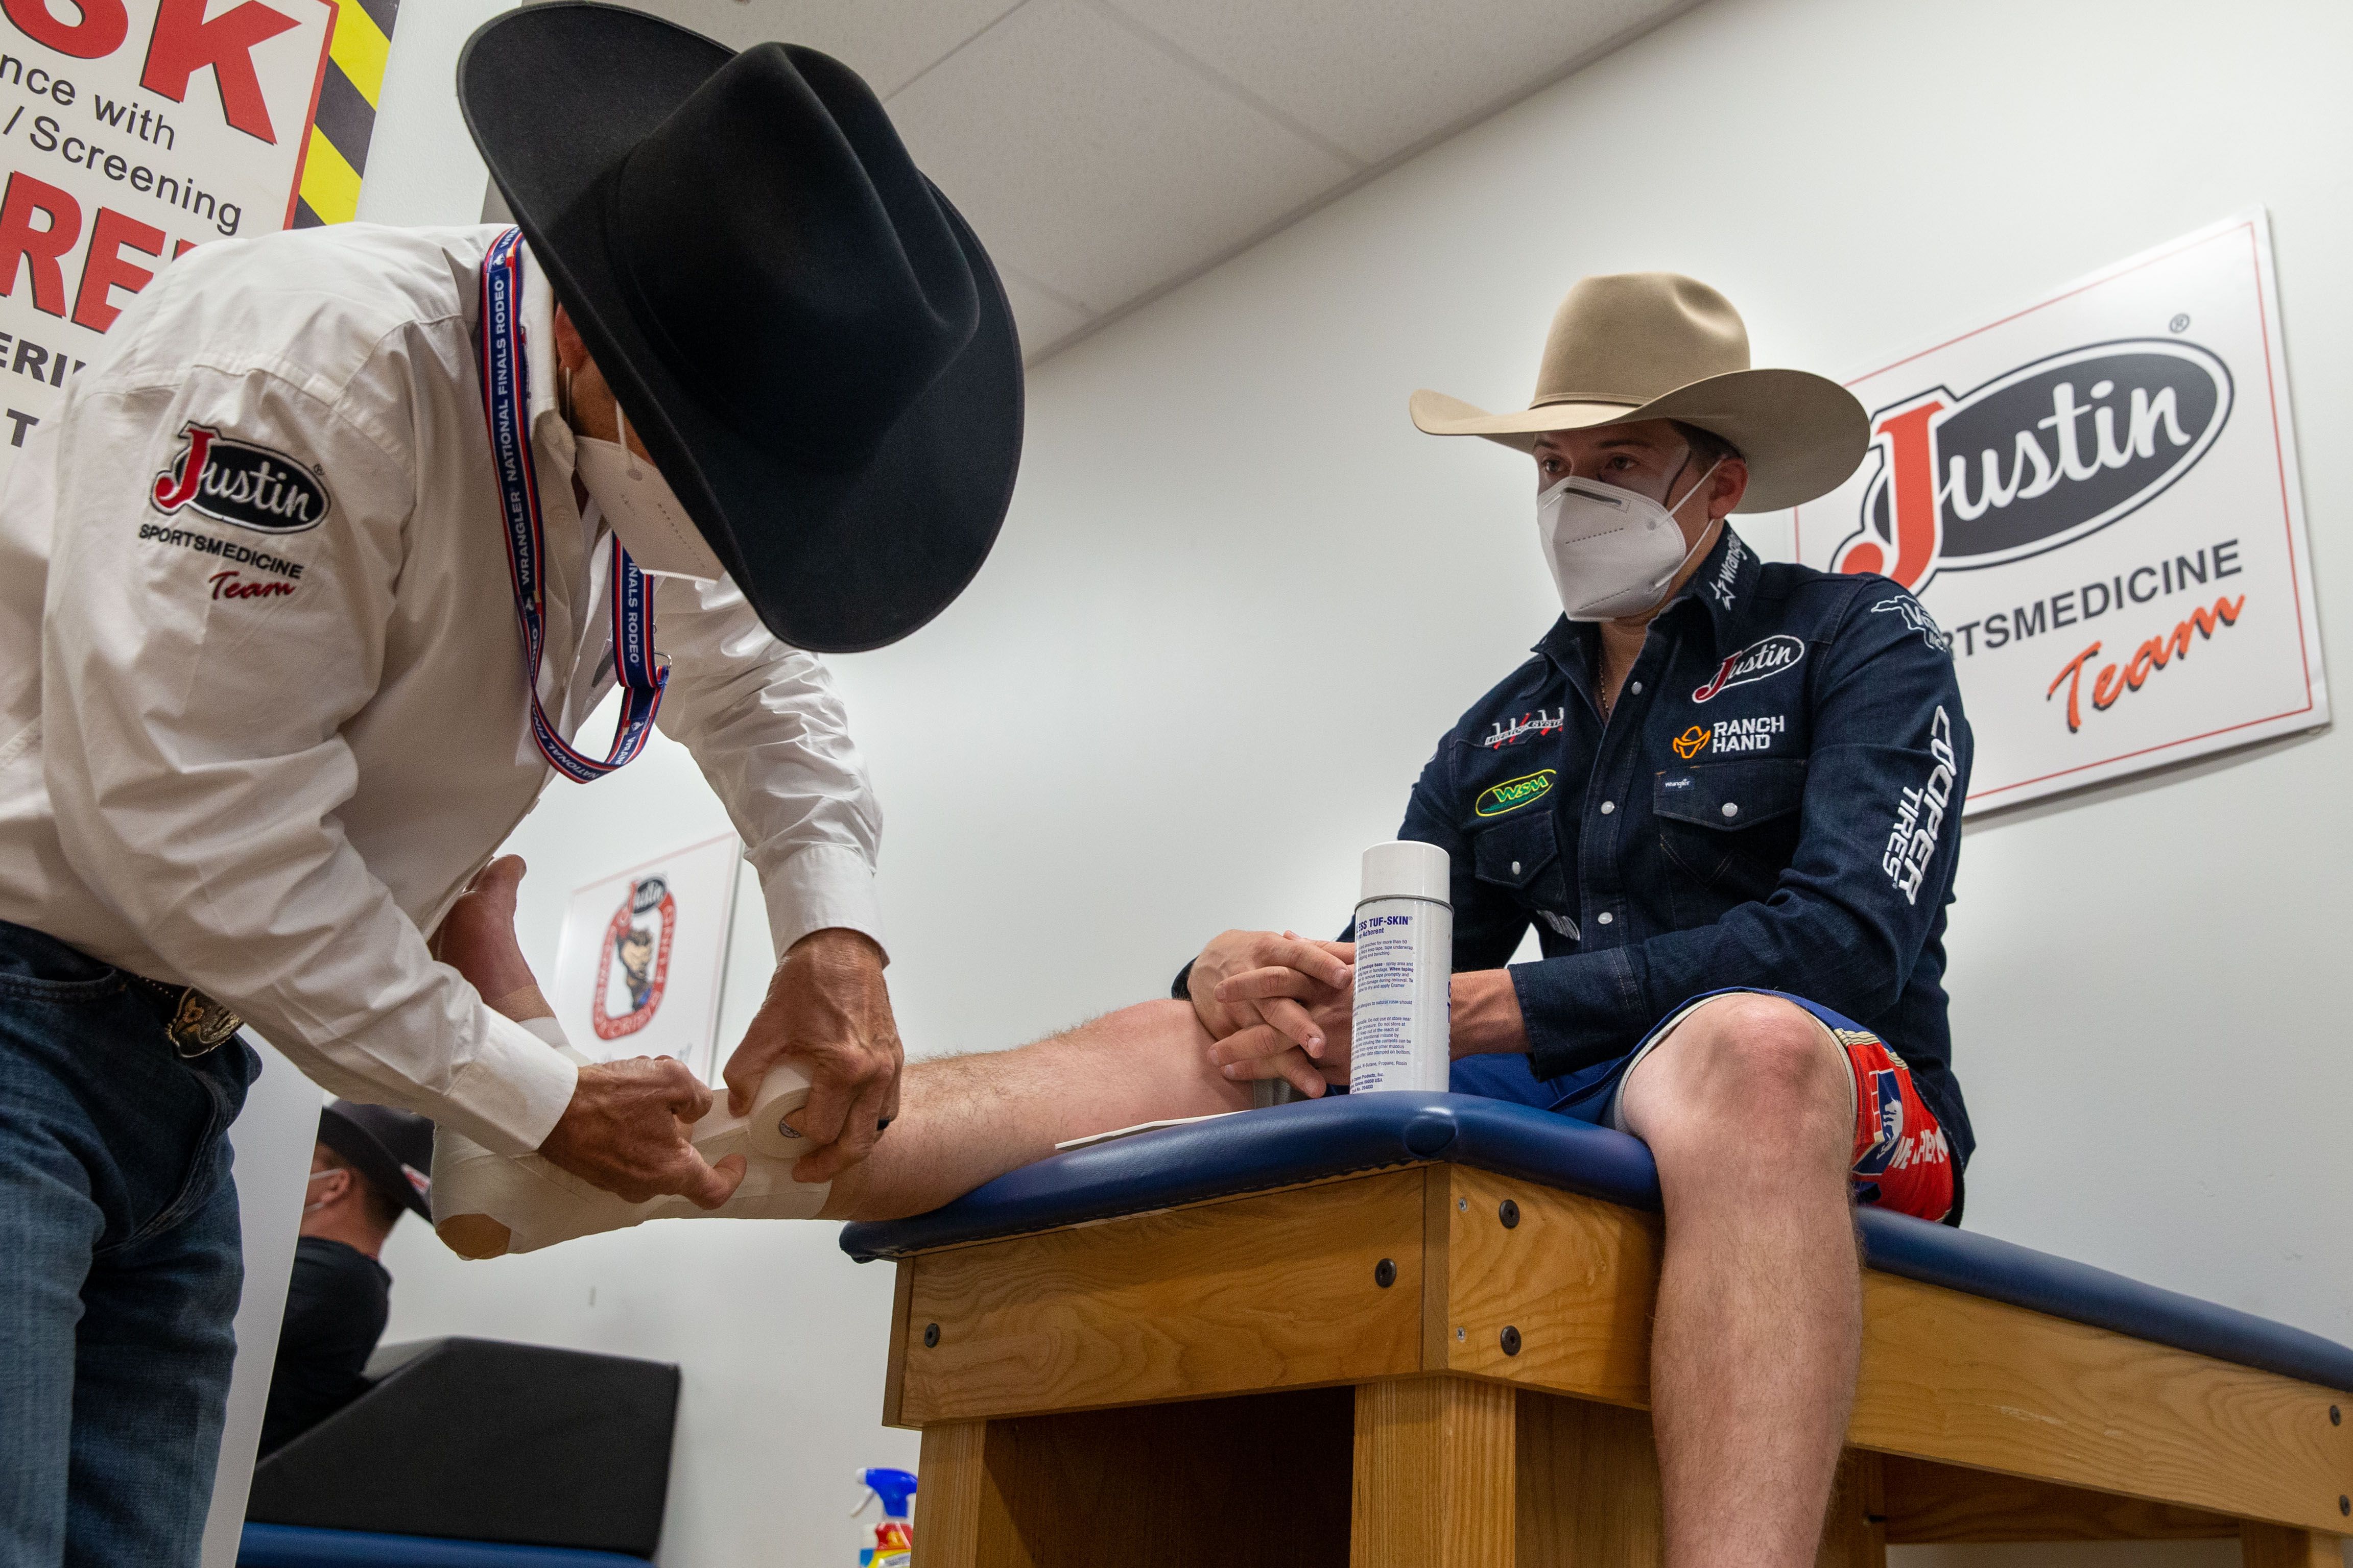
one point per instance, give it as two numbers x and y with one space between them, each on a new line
2035 459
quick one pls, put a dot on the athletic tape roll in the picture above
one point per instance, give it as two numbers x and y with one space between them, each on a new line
784 1090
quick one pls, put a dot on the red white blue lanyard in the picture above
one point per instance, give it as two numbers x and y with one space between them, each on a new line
506 394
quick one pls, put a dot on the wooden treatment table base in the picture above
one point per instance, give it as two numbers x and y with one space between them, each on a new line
1438 1366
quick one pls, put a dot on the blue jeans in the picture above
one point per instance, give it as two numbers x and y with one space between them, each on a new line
120 1264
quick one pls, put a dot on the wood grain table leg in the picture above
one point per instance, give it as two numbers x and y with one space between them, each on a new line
1436 1480
1855 1533
2277 1546
1589 1485
952 1481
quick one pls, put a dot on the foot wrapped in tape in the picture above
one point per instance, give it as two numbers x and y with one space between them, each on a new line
487 1205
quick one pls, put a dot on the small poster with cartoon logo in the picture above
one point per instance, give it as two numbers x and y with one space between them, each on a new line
643 956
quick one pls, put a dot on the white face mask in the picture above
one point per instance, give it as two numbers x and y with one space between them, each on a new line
645 513
1612 553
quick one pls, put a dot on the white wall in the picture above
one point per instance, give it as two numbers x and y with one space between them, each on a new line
1238 597
422 167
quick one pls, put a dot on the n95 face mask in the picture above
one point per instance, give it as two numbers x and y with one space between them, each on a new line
645 513
1612 553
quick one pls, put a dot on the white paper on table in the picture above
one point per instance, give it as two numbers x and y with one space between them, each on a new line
1139 1126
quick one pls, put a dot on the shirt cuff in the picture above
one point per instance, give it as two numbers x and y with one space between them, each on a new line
821 888
1579 1009
514 1092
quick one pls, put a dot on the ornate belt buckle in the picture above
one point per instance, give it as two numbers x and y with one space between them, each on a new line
199 1025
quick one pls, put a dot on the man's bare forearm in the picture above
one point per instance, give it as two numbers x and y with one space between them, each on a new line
523 1005
1486 1014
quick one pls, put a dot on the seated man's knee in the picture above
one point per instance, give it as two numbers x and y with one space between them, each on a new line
1137 1036
1755 1061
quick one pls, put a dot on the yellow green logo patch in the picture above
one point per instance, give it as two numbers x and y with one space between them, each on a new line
1513 793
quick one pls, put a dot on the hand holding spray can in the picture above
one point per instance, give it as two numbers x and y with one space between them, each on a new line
1405 958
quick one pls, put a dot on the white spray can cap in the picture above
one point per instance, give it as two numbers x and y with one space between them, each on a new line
1407 869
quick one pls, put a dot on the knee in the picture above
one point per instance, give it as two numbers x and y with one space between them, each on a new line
1138 1038
1161 1023
1764 1061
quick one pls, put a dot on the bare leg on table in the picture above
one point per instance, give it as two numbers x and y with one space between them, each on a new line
965 1119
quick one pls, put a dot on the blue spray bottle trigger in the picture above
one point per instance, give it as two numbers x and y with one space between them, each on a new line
893 1487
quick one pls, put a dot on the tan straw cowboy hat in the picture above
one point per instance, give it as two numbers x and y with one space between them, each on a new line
1629 346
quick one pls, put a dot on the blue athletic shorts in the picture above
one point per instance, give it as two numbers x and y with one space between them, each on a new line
1901 1158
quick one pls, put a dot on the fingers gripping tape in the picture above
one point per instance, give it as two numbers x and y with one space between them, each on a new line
487 1205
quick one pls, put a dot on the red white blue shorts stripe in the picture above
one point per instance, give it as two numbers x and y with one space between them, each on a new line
1903 1160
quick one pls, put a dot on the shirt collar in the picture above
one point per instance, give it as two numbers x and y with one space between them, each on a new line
549 432
1726 584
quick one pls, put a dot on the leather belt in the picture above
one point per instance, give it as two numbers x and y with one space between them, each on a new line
198 1026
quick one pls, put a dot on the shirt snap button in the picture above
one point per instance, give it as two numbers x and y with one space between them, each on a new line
1608 806
1515 867
1637 689
1730 809
1603 918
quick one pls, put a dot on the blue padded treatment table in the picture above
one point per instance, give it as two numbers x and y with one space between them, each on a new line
1308 1140
295 1546
1430 1315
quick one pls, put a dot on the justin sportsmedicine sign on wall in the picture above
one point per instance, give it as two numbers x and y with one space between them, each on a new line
2095 500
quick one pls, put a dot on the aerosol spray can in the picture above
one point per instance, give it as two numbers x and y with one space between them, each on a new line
1405 958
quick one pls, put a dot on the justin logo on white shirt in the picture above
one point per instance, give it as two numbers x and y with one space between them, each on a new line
239 482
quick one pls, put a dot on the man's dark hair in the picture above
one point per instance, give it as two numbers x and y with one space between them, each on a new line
1707 447
383 1208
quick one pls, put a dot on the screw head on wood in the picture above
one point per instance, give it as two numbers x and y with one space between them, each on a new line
2344 1504
931 1336
2336 1417
1509 1213
1385 1273
1511 1340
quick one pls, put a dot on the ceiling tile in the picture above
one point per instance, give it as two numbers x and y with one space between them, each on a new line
888 42
1045 319
1378 76
1096 162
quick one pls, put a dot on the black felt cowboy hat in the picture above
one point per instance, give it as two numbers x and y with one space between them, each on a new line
809 340
392 1150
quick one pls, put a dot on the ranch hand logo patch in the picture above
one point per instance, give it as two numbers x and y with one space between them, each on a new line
2037 457
1759 661
1513 793
238 482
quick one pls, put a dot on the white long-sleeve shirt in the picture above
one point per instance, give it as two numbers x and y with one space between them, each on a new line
265 763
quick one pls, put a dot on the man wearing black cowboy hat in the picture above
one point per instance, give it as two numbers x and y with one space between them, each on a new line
312 585
370 1166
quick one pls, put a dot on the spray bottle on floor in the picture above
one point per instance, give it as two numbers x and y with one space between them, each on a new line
894 1535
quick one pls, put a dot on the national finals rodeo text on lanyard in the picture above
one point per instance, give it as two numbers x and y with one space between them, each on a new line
505 396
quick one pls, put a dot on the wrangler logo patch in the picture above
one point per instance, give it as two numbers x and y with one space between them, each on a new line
1513 793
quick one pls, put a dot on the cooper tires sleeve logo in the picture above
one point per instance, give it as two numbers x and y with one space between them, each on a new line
238 482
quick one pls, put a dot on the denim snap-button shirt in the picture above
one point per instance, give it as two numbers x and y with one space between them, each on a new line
1775 802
